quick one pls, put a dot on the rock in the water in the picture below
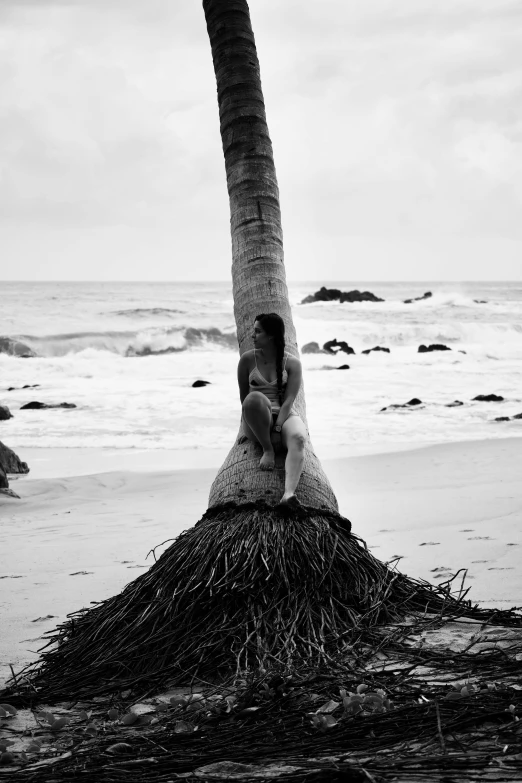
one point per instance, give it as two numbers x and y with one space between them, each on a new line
311 348
433 347
344 367
489 398
35 405
334 294
10 462
15 348
480 301
377 348
27 386
410 404
427 295
454 404
5 413
359 296
198 384
323 295
508 418
335 346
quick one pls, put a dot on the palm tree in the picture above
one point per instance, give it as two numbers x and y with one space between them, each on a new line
250 584
258 272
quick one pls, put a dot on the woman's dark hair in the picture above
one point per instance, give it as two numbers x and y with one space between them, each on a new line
274 326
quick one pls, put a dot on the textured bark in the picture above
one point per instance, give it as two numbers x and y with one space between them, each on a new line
258 273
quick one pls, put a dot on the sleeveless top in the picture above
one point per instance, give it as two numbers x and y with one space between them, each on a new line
257 382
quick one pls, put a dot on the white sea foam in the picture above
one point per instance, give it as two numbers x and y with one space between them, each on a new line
147 341
87 355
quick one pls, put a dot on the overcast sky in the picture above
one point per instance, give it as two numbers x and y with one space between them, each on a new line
396 125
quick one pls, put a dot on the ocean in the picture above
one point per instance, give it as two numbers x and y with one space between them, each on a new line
126 354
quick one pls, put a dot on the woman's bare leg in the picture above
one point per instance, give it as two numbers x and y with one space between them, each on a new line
257 423
294 437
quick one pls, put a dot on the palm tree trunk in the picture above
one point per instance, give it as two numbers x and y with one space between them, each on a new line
258 272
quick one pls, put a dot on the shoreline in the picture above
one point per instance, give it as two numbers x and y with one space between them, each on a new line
75 539
63 462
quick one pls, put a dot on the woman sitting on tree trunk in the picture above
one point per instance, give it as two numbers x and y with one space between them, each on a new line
269 379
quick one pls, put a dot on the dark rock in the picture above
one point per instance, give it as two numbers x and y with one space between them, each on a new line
311 348
338 345
198 384
454 404
517 416
359 296
461 351
433 347
10 462
334 294
480 301
15 348
5 413
502 418
41 405
410 404
27 386
323 295
488 398
4 484
10 494
377 348
427 295
344 367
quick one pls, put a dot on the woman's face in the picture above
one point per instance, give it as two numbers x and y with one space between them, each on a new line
260 337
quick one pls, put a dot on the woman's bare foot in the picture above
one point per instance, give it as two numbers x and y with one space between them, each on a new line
289 500
267 461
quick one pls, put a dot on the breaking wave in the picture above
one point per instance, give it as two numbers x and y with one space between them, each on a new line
148 342
147 312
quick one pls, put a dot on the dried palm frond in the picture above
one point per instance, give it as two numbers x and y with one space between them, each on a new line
249 586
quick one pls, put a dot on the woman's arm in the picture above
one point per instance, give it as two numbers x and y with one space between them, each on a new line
293 384
243 371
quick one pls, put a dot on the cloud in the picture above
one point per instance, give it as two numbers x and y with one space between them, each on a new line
412 126
97 125
390 118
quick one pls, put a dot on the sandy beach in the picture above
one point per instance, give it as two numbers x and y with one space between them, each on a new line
86 523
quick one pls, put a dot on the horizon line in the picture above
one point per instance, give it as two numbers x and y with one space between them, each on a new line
293 280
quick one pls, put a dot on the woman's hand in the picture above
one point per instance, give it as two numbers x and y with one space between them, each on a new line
275 437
